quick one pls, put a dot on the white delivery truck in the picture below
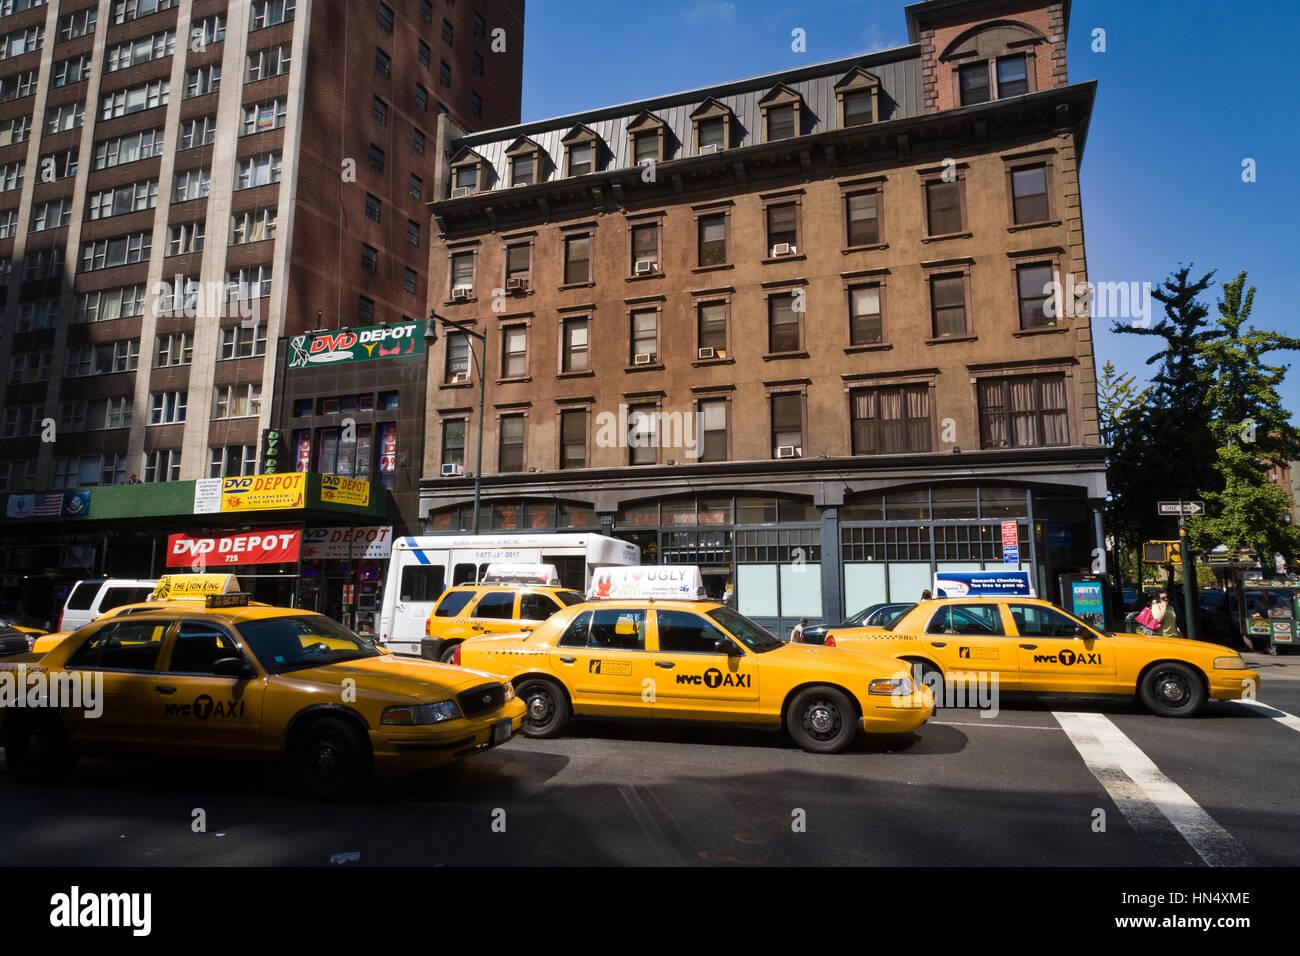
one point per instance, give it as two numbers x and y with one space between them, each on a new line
421 568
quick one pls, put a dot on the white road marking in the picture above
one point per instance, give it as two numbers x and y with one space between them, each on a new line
1283 718
1144 794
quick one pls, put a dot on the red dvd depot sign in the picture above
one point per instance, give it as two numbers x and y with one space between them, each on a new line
239 547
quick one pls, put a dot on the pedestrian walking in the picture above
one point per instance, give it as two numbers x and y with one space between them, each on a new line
1163 613
796 633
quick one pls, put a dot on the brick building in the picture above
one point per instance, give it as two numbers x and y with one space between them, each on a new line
185 185
793 328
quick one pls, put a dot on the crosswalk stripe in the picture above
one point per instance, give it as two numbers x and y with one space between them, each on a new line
1283 718
1144 794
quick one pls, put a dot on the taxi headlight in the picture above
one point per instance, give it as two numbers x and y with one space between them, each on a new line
1229 664
888 686
421 713
510 691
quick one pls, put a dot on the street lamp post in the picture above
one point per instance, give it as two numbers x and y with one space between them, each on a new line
431 336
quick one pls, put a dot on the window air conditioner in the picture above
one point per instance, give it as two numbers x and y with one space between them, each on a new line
459 378
643 358
452 471
789 451
783 249
711 148
461 191
644 267
462 292
707 353
517 285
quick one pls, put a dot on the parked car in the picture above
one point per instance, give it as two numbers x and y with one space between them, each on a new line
876 615
14 641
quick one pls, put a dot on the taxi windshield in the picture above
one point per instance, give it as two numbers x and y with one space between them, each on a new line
293 643
745 630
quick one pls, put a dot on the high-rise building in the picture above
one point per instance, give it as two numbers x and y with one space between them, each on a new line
185 187
816 331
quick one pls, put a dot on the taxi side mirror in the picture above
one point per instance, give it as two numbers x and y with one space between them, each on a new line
724 646
1081 631
232 667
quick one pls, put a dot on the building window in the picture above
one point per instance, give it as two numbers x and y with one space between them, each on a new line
577 259
78 24
866 326
1029 194
782 227
466 176
372 207
514 352
477 64
479 26
645 248
642 435
421 98
65 117
444 73
645 337
458 357
510 451
198 132
948 305
132 53
232 461
462 270
191 184
243 341
519 262
862 218
713 431
1013 78
713 239
132 197
891 421
645 146
208 30
417 187
386 18
167 408
163 466
784 333
260 170
249 282
412 233
453 442
365 310
711 319
575 355
264 64
369 258
417 141
422 53
1034 288
376 158
204 80
521 170
383 63
781 122
254 225
857 108
711 134
379 111
174 349
475 103
942 208
237 401
185 238
573 438
973 81
787 425
410 281
580 158
1023 412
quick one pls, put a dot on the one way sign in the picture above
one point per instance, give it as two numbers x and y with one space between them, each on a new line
1181 507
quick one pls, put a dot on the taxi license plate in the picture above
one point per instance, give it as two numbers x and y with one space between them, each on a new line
500 730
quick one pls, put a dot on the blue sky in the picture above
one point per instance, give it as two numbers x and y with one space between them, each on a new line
1187 89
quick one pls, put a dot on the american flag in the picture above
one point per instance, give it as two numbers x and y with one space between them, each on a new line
48 505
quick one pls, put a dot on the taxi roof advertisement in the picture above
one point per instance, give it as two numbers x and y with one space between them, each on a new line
681 582
982 584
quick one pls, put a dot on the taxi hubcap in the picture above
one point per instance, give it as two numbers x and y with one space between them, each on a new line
538 706
325 758
821 718
1172 690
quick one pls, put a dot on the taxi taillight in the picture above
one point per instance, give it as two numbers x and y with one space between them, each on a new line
455 656
426 627
830 640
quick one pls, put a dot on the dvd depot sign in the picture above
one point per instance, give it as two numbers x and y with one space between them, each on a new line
343 544
239 547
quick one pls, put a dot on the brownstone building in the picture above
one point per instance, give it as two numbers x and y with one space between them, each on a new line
797 329
185 185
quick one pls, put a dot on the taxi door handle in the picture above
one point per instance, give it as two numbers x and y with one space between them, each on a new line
1030 647
164 688
666 664
938 643
567 660
477 627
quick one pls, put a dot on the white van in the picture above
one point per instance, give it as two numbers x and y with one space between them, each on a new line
91 598
422 567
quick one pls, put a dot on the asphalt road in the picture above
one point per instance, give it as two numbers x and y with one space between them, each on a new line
1040 784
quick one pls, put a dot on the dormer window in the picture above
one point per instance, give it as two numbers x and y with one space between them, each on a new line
712 122
781 113
974 81
525 159
1013 80
993 61
468 173
859 95
580 151
467 177
646 139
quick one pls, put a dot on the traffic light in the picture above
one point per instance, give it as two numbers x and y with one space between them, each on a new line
1162 552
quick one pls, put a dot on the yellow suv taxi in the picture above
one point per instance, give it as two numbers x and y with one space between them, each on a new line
228 678
472 610
691 659
1034 647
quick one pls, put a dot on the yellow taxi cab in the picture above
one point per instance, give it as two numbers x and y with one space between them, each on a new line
226 677
652 647
1034 647
509 599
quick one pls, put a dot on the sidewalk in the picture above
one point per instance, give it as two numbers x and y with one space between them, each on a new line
1285 666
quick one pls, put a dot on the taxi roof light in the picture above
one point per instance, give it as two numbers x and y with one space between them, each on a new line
171 587
237 599
681 582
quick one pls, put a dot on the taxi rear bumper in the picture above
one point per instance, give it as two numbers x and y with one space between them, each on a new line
433 745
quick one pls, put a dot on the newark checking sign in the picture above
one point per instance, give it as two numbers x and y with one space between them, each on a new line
983 584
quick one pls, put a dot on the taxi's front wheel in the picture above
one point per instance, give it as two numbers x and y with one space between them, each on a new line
546 707
822 720
37 749
333 759
1172 690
